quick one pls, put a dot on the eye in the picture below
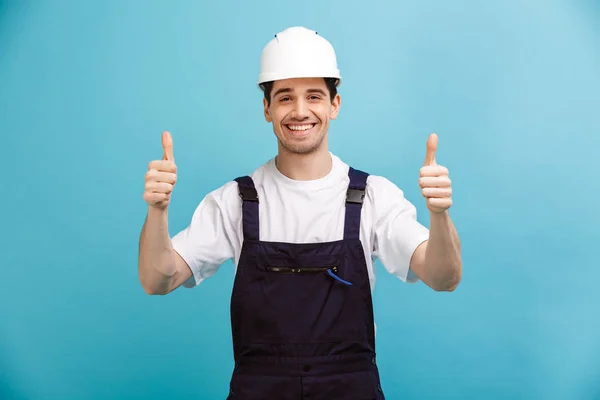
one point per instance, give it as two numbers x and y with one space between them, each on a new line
314 97
282 99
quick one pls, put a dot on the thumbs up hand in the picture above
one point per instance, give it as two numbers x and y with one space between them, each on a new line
434 181
161 176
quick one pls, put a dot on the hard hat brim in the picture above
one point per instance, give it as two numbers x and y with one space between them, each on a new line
270 77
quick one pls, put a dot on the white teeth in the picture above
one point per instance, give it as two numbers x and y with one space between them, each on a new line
300 127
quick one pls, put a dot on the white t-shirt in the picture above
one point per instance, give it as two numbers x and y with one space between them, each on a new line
302 212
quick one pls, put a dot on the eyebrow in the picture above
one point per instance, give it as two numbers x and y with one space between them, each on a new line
289 90
282 90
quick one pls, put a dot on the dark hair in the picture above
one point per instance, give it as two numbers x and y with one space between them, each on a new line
331 84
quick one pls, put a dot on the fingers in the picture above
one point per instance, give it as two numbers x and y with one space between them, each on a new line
432 142
435 170
158 187
162 182
161 176
162 166
167 144
157 199
439 204
435 176
435 182
437 192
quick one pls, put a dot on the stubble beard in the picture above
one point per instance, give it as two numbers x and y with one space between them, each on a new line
305 147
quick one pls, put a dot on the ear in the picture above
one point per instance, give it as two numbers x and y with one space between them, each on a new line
335 106
266 111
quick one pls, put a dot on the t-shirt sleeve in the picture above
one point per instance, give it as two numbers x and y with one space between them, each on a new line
208 241
397 233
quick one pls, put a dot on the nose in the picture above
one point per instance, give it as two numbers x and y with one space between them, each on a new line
300 110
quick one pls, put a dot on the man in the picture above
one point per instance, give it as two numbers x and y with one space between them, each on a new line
303 231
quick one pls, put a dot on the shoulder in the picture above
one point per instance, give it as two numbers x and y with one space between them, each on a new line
375 183
380 190
227 196
383 196
383 188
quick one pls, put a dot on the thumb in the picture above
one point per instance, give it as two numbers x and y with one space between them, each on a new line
432 142
167 144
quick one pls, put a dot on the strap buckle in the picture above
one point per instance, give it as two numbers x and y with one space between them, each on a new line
355 196
248 193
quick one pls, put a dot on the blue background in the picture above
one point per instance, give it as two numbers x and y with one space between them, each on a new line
511 87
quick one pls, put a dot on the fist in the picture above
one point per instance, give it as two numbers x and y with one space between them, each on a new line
434 180
161 176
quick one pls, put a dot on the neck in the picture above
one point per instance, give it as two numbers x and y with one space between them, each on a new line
304 167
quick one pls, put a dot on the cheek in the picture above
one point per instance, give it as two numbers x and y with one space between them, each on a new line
277 114
323 114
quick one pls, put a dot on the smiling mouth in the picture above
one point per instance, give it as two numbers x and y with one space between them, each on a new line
299 129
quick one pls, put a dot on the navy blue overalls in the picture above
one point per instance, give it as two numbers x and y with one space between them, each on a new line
302 314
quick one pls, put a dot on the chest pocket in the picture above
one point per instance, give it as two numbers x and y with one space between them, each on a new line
301 300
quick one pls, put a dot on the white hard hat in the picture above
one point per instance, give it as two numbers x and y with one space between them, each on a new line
298 52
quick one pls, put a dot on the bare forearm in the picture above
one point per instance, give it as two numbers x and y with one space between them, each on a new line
156 263
443 260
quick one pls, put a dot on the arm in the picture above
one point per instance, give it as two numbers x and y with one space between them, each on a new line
160 268
197 251
437 261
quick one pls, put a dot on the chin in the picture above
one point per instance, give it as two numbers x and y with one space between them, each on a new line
306 146
300 150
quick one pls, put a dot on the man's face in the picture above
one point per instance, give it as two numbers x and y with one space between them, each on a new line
300 111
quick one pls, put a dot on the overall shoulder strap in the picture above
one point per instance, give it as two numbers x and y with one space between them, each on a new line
249 196
354 200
